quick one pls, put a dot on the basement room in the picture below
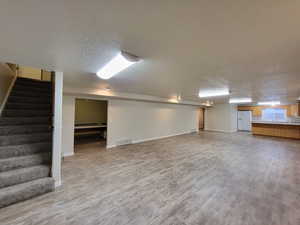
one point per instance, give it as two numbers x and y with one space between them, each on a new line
150 112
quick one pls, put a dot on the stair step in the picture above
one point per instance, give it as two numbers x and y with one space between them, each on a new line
30 93
25 113
23 175
32 81
23 150
17 99
27 79
21 192
24 129
4 121
24 139
24 106
24 161
33 89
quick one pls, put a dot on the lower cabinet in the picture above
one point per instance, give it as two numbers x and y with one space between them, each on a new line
276 130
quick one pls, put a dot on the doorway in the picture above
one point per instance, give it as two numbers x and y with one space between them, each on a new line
90 124
244 120
201 118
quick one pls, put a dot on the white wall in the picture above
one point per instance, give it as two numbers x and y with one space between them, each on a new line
134 120
68 125
221 117
139 121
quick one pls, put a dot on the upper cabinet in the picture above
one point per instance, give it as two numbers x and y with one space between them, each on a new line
292 109
295 109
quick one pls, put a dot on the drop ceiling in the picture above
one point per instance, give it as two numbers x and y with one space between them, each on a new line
251 47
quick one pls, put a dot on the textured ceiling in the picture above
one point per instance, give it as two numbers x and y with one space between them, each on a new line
251 47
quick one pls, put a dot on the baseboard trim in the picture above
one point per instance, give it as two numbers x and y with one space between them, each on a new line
157 138
57 183
111 146
223 131
154 138
68 154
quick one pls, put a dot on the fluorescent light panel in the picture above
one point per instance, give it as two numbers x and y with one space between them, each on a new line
213 93
240 100
120 62
269 103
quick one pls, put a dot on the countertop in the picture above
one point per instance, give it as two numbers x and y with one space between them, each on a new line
276 122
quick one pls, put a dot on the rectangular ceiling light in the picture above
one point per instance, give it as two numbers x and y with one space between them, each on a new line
239 100
213 93
269 103
120 62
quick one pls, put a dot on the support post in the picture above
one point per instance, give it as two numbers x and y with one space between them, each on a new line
57 130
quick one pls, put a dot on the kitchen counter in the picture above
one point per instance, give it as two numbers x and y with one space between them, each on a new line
276 122
276 129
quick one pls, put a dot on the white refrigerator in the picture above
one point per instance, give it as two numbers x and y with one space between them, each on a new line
244 120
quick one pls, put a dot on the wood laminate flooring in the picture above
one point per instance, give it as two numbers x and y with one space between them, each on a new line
207 178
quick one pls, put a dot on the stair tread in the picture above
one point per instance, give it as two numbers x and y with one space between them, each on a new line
24 185
27 110
24 129
18 171
18 176
30 93
12 163
35 81
32 100
25 135
24 125
6 121
24 87
17 139
24 145
37 155
36 96
39 97
26 105
24 191
26 113
32 80
25 149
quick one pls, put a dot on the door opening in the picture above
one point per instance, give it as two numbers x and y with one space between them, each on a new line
201 118
90 124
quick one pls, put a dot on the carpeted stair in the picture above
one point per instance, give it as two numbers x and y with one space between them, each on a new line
26 142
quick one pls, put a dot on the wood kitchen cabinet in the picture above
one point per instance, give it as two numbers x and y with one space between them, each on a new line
276 130
295 110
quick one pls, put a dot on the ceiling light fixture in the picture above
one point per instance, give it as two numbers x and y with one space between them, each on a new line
269 103
213 93
120 62
207 103
239 100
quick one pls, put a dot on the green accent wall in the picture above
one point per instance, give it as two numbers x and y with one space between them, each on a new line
90 111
